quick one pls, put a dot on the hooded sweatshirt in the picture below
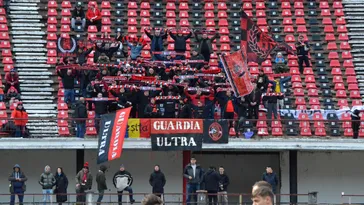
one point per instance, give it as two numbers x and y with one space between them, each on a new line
15 184
47 180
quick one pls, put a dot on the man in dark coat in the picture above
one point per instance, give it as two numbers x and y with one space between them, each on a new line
271 177
61 186
193 173
180 44
185 109
196 56
211 180
355 124
157 180
101 182
17 184
262 81
81 115
223 184
254 102
157 42
205 45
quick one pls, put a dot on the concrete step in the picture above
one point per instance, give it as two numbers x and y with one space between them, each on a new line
29 54
37 81
28 41
35 97
27 28
31 61
26 65
29 45
23 12
25 20
30 58
43 127
35 89
35 73
23 4
33 77
27 24
27 37
12 16
36 93
42 111
354 26
34 85
33 69
36 101
35 33
43 133
26 1
23 8
29 49
40 106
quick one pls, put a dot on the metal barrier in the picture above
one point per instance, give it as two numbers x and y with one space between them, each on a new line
349 198
168 198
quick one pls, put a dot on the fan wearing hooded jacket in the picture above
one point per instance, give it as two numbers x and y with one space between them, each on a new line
122 181
20 117
17 184
157 180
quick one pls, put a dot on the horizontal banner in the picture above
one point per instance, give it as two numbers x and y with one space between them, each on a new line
176 142
176 126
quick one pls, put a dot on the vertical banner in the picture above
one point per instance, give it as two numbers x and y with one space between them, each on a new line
258 44
236 69
216 131
176 134
111 135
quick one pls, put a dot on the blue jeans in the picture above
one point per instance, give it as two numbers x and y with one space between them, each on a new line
20 193
47 195
69 94
191 193
120 194
101 196
19 131
81 129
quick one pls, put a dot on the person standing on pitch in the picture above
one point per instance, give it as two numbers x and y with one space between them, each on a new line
83 183
47 181
157 180
101 183
224 182
17 184
122 181
271 177
211 181
194 173
262 193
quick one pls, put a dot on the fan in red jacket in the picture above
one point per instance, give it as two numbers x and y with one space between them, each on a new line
93 16
12 79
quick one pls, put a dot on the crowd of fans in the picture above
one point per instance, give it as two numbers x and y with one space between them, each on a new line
168 86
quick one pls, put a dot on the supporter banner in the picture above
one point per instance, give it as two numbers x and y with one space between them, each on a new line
111 135
325 113
66 46
176 134
258 43
236 69
215 131
139 128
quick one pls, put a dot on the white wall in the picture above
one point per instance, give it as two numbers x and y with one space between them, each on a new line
32 163
329 173
243 169
141 164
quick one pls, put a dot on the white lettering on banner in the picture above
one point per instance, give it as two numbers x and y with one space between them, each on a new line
176 142
120 120
325 113
179 125
103 137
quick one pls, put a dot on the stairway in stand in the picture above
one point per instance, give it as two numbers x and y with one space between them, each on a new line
354 15
29 48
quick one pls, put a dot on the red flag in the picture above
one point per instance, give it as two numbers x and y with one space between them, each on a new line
258 44
236 69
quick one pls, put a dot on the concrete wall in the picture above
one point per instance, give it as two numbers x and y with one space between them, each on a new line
329 173
243 169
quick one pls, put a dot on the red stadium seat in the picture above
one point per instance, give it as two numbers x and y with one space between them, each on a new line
299 13
298 5
247 6
313 92
144 13
337 79
306 132
66 5
133 5
65 29
106 21
65 21
62 123
262 124
310 79
288 29
146 22
327 21
51 28
331 46
183 14
52 4
320 132
333 55
63 131
276 124
224 31
350 72
348 64
340 21
345 46
65 12
301 29
171 23
339 86
329 29
51 37
6 53
334 63
62 106
330 37
341 94
324 5
105 13
300 101
353 86
342 29
7 60
210 23
336 71
52 20
222 6
290 38
133 22
105 5
300 21
51 45
62 114
183 6
223 23
286 5
263 132
209 6
52 60
296 78
145 6
348 132
355 94
339 13
298 92
356 103
92 29
277 131
4 44
260 14
286 13
337 5
342 102
260 5
346 55
91 131
132 13
287 21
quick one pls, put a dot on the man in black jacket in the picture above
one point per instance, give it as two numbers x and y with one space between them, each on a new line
157 42
254 102
101 107
185 109
211 180
272 99
78 16
302 48
205 45
180 44
196 56
68 80
101 183
223 184
81 55
193 173
157 180
271 177
122 98
81 115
